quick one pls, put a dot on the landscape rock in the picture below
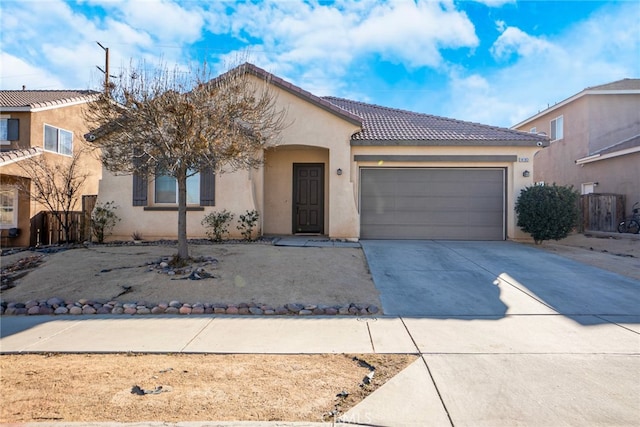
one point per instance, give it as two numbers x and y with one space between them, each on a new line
58 306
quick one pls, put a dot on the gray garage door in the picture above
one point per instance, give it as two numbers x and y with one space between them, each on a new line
417 203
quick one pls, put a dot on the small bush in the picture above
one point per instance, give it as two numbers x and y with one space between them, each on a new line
247 223
547 212
103 219
217 224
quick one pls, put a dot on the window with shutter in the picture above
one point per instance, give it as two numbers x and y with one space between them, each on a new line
165 189
140 184
9 130
207 187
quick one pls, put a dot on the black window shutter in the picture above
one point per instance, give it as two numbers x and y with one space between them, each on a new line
140 184
13 129
207 187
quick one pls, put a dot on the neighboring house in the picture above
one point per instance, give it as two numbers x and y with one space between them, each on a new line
350 170
595 141
44 124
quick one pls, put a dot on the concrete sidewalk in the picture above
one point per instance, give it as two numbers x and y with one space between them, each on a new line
525 369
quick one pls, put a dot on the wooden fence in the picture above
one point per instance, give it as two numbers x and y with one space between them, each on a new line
46 228
601 212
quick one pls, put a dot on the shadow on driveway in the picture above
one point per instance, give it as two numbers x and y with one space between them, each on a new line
468 280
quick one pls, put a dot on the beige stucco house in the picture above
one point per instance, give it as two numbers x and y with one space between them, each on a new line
595 141
350 170
38 124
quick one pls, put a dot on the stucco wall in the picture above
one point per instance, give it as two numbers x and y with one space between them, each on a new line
591 123
32 135
234 192
612 118
278 184
312 135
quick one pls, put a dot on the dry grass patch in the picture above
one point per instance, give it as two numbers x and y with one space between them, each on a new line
97 387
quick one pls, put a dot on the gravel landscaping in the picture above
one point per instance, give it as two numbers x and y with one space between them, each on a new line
235 279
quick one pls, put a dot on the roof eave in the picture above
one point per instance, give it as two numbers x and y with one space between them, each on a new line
22 155
446 143
573 98
598 157
303 94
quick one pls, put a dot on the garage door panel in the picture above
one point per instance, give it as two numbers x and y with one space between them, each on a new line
437 219
414 203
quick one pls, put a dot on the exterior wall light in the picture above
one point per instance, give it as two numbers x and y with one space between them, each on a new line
526 174
339 171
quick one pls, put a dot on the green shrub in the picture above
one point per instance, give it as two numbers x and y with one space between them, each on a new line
103 219
547 212
247 223
217 224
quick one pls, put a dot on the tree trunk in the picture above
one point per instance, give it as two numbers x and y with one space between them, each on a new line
183 248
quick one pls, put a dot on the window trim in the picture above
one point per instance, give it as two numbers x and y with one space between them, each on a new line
58 129
553 128
14 223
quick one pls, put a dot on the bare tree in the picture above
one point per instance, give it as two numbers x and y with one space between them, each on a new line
56 183
183 123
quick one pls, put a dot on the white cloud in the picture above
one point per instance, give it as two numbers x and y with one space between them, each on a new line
15 73
515 41
165 21
317 44
413 33
544 71
495 3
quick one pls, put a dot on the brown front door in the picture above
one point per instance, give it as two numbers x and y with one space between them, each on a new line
308 198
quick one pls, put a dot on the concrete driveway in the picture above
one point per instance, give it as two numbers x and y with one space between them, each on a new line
510 335
480 279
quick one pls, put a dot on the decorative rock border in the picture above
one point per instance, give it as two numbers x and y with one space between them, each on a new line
58 306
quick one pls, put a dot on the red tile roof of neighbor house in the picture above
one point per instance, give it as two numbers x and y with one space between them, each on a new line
30 99
382 125
12 156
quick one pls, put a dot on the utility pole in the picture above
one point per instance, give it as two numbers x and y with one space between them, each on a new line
106 67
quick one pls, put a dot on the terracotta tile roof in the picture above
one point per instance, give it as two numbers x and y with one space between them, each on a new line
624 84
389 126
28 99
13 156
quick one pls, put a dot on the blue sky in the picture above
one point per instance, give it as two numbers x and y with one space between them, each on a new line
491 61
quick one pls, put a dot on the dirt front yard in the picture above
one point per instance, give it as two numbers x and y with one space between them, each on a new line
182 387
613 252
241 273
